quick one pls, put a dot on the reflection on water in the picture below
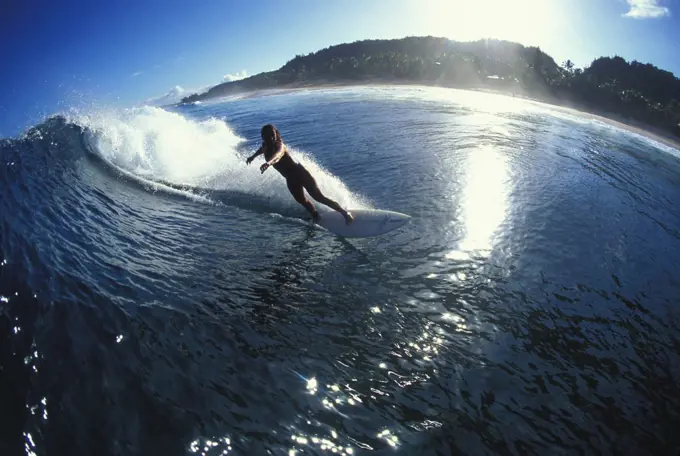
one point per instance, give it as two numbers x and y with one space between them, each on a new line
30 444
484 198
207 447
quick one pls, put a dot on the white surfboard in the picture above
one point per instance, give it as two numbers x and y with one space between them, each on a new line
367 222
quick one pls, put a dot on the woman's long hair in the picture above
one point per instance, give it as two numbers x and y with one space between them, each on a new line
267 129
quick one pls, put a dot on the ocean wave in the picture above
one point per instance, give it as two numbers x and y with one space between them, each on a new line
201 156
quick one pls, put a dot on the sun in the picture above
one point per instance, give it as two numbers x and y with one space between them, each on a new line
528 22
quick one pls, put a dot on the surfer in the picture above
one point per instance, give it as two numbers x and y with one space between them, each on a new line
297 177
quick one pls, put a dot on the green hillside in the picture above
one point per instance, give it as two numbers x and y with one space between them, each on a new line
635 91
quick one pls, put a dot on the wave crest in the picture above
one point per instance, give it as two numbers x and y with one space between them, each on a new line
206 156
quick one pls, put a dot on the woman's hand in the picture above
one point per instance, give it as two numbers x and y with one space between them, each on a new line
264 167
261 150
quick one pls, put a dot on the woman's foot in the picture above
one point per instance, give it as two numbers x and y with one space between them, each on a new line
315 217
349 218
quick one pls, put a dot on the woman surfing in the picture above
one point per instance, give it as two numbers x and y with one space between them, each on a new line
298 179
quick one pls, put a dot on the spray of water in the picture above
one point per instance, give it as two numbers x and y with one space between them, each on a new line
160 146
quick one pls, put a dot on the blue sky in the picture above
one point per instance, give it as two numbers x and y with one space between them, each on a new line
88 53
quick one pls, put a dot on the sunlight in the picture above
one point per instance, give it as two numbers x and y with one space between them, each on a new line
484 198
528 22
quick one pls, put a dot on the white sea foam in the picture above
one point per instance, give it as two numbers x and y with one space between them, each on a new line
157 145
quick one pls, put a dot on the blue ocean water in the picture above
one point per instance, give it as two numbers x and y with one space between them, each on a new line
158 296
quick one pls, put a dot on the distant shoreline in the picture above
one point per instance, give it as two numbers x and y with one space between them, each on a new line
642 130
613 120
638 96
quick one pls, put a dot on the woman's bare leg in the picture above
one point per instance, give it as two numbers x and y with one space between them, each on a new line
298 193
323 199
309 183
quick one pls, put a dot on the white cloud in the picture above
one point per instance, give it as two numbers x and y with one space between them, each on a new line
136 73
236 76
644 9
174 95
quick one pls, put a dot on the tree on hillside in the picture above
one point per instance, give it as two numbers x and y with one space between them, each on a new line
632 89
